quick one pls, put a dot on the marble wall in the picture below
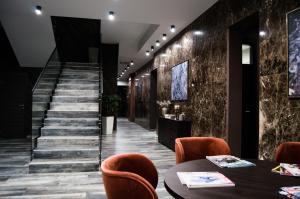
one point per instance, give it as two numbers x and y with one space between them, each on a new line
279 116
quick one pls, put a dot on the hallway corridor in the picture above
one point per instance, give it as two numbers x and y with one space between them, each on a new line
129 137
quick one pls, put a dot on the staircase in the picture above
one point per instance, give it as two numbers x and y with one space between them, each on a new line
69 140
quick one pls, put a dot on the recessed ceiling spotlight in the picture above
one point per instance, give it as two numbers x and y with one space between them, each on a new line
157 43
198 32
147 53
173 29
38 10
262 33
152 48
122 73
131 63
164 37
111 15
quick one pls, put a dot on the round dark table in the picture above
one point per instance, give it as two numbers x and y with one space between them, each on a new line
250 182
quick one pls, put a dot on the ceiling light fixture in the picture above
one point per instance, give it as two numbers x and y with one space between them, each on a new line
147 53
122 73
198 32
164 55
111 15
152 48
131 63
173 29
157 43
38 10
136 79
164 37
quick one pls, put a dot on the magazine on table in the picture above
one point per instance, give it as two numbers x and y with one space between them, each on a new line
287 169
204 179
290 192
229 161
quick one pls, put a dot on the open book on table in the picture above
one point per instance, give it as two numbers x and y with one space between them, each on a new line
290 192
229 161
204 179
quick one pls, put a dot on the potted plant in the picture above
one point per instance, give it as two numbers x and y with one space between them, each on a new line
110 106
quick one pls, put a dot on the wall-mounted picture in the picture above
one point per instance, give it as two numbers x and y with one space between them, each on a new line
293 31
179 85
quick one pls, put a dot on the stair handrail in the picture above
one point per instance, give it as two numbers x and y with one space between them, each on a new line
43 71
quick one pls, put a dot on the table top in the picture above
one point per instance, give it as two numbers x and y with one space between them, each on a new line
250 182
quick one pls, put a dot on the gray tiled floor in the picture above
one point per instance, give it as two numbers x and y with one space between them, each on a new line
16 183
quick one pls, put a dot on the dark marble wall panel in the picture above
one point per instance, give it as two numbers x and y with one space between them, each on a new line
207 55
142 97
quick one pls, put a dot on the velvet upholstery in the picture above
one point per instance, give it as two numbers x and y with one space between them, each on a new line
288 152
131 176
192 148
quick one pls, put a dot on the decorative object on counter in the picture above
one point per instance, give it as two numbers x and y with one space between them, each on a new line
164 106
176 109
293 29
182 116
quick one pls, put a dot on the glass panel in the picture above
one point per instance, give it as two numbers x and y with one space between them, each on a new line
246 54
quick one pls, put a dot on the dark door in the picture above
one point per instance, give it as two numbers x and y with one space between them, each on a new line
153 99
243 102
250 104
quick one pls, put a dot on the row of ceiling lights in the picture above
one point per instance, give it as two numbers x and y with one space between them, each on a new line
164 38
125 69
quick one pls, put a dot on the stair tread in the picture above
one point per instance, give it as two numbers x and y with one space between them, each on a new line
71 119
64 161
70 127
90 137
71 148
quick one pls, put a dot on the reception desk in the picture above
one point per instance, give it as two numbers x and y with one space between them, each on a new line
169 129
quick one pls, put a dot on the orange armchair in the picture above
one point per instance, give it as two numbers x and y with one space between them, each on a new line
288 152
192 148
131 176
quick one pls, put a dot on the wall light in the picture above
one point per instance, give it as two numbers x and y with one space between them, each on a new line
38 10
177 45
111 15
198 32
262 33
147 53
173 29
152 48
131 63
164 37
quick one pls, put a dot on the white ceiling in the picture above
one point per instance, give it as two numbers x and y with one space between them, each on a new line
138 24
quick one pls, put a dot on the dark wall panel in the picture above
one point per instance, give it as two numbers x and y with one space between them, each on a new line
8 59
110 57
76 39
